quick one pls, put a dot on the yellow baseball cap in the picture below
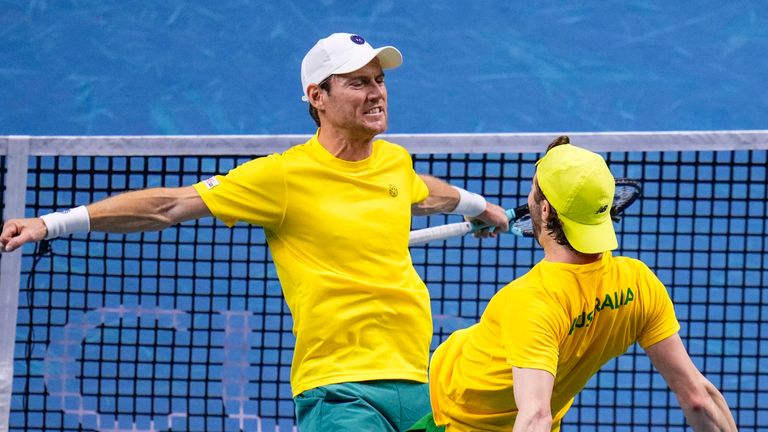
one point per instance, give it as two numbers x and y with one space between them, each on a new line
579 185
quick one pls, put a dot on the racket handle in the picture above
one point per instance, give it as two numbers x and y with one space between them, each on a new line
477 226
442 232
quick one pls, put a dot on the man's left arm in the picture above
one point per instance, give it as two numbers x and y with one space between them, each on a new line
533 394
704 406
444 198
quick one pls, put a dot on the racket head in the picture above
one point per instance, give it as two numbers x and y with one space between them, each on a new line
522 224
627 192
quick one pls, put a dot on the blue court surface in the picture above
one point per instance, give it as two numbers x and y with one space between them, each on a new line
230 67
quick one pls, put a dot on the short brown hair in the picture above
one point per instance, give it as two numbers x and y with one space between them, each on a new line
562 139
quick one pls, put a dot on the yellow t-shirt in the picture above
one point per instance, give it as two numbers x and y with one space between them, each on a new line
566 319
338 234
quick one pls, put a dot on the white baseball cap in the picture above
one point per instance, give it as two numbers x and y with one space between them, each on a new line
342 53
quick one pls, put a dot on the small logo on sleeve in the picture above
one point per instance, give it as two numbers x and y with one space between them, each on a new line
211 182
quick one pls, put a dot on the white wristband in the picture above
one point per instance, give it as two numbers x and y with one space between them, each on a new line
470 204
67 222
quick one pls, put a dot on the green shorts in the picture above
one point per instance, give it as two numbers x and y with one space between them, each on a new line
385 405
426 424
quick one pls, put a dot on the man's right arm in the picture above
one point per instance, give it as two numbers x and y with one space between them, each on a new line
704 406
444 198
533 395
142 210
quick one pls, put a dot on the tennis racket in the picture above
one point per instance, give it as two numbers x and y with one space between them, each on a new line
627 191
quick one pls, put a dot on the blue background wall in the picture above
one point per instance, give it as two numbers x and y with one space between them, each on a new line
92 67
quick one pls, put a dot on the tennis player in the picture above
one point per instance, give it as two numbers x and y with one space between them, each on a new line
336 212
543 336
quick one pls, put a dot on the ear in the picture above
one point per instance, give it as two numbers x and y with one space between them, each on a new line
314 95
546 210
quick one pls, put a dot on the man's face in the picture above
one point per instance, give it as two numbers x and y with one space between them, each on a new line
357 101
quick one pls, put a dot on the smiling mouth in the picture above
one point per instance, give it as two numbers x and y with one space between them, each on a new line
375 110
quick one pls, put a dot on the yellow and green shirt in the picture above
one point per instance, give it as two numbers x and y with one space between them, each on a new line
338 234
566 319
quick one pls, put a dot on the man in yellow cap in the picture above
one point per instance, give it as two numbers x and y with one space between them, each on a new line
543 336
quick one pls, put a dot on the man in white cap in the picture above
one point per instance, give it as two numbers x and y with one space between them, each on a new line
543 336
336 211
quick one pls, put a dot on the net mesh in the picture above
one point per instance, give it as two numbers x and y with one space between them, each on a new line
186 329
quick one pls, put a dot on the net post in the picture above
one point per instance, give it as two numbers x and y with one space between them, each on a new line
17 160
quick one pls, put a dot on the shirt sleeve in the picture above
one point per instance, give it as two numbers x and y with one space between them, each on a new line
419 190
254 192
660 322
531 333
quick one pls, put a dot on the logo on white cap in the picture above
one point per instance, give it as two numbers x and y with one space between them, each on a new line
336 55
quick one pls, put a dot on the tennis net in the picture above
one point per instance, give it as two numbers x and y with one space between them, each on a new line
186 329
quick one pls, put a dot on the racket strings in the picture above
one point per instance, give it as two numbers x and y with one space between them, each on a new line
627 191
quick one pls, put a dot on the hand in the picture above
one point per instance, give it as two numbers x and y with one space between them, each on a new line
495 218
17 232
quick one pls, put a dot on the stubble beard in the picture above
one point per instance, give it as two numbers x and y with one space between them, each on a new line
536 224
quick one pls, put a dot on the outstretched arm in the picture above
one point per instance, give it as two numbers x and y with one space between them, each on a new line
147 210
704 406
142 210
444 198
533 395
